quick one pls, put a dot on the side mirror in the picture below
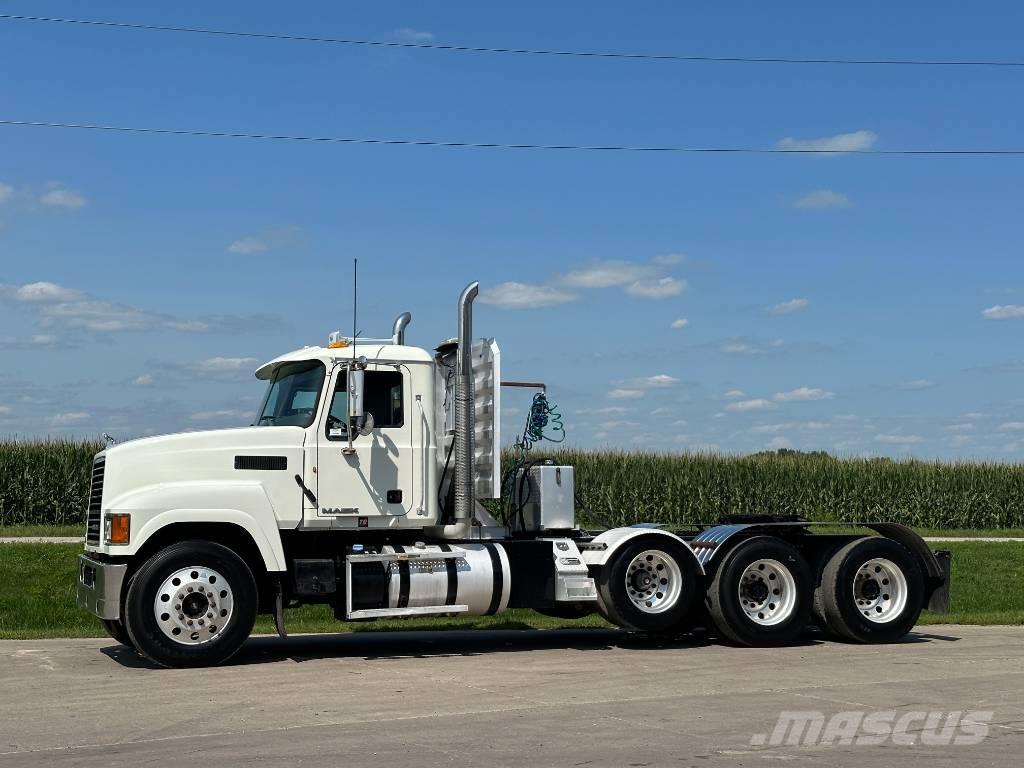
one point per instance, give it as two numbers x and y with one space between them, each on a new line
360 422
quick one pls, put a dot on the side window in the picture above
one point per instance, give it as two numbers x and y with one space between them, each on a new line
383 397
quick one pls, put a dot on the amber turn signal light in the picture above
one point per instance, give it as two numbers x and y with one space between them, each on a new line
117 528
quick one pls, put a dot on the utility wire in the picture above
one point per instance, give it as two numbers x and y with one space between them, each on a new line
526 51
501 145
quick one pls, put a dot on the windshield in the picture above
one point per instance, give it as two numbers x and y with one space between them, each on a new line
292 395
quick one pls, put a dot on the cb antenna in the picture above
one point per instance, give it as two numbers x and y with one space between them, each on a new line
355 304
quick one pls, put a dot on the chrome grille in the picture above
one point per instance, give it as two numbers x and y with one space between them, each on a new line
92 520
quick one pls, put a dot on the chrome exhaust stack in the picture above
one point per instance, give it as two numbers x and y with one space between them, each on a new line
398 329
464 413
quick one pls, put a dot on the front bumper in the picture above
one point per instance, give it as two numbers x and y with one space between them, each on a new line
99 587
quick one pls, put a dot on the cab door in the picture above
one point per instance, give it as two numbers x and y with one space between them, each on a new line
373 486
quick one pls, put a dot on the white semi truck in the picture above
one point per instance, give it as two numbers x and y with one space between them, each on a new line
359 486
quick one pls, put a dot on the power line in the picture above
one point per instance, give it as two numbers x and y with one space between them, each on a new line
525 51
501 145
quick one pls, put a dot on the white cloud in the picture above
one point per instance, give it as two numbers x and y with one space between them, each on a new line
220 415
250 244
271 239
679 423
803 393
779 442
6 192
1003 312
738 348
1012 426
771 429
409 35
524 296
625 394
607 274
145 380
743 406
660 288
734 394
42 292
226 364
788 307
4 409
899 439
31 342
59 196
670 259
60 307
822 198
960 427
917 384
682 322
659 380
67 419
842 142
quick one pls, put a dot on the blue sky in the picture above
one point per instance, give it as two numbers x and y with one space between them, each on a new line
855 304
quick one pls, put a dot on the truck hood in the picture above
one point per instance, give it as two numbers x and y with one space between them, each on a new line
195 456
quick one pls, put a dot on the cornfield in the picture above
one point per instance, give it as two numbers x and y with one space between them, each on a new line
45 482
48 483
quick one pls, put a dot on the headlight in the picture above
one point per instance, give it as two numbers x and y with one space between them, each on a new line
117 528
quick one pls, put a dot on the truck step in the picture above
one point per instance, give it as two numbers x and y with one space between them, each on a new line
424 610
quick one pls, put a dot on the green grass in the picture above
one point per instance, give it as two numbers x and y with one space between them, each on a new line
22 531
39 583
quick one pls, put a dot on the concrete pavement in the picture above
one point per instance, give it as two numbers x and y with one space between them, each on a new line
566 698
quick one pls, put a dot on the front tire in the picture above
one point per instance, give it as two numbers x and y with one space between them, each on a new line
116 629
761 593
871 591
649 585
192 604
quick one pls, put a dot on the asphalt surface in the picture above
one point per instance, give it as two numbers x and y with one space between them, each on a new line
566 698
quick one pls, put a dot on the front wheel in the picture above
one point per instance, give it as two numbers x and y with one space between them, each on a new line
192 604
761 593
649 585
116 629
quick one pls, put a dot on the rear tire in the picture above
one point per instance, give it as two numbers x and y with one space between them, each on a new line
871 591
192 604
761 593
117 630
649 585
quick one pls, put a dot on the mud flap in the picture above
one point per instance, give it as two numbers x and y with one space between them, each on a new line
279 609
939 601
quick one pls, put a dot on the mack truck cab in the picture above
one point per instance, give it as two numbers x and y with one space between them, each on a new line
359 485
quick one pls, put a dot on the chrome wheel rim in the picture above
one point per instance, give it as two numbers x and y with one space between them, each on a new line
654 581
193 605
880 590
767 592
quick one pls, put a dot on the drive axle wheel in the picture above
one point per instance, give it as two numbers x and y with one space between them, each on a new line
192 604
871 591
649 585
761 593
